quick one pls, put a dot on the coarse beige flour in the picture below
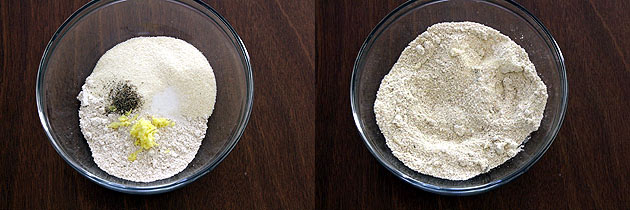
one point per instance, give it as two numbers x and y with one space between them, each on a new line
459 101
175 81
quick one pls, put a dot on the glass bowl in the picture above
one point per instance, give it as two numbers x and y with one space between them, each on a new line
384 44
96 27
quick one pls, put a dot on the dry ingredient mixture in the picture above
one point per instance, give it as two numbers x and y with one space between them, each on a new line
459 101
145 107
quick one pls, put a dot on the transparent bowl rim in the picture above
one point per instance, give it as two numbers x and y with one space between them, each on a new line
157 188
445 190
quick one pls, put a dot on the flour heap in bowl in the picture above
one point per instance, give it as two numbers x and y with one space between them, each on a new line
145 107
460 100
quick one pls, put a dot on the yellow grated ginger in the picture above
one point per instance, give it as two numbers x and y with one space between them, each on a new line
161 122
133 156
143 132
123 121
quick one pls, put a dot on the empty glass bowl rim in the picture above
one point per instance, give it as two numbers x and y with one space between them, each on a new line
237 42
375 33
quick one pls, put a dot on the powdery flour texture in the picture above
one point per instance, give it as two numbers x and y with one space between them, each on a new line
460 100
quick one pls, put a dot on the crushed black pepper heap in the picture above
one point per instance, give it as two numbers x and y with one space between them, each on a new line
123 98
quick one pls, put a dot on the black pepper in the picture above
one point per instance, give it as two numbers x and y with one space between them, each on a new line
123 98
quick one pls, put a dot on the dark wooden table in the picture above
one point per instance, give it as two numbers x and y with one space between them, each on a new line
301 149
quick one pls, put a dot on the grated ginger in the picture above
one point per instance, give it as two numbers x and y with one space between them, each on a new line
142 130
161 122
133 156
123 121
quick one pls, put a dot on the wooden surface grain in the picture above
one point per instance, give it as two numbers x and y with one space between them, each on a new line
587 166
272 167
301 149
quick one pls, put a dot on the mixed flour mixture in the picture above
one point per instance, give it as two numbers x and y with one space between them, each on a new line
177 89
459 101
